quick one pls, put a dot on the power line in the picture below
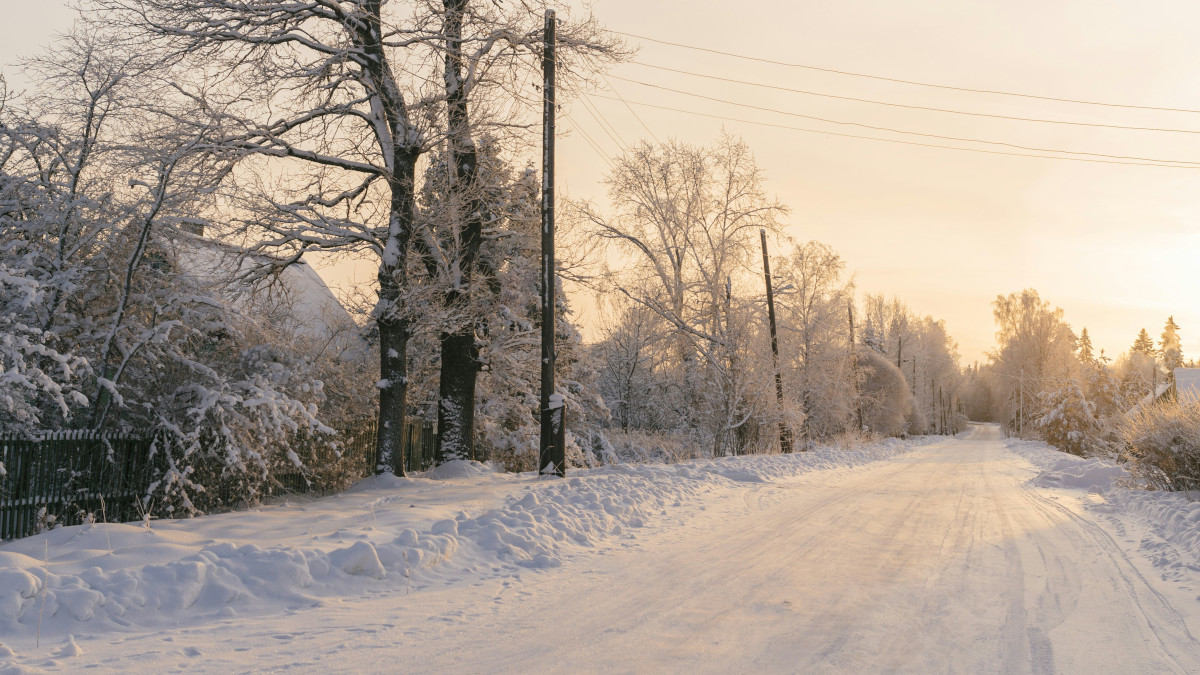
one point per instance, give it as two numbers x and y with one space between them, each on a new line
631 110
902 81
901 131
894 140
605 125
586 137
911 107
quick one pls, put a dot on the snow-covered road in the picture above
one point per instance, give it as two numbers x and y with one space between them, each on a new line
943 559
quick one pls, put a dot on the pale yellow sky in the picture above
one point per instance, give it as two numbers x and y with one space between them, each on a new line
1116 246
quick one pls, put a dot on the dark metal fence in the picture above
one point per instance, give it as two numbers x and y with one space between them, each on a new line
61 477
330 467
66 478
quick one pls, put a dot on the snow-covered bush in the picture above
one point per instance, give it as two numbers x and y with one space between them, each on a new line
642 447
915 423
885 398
106 320
33 374
1068 421
1162 444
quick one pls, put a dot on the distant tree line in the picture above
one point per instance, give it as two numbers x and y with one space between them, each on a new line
1044 381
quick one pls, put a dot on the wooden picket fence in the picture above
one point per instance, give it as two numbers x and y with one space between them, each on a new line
69 477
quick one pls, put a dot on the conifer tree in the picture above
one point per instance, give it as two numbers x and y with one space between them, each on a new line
1172 351
1143 344
1086 356
871 338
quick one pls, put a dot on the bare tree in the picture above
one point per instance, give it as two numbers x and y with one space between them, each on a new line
1035 353
331 103
314 86
815 337
689 218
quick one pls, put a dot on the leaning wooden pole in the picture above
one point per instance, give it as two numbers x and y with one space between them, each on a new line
785 432
551 455
854 365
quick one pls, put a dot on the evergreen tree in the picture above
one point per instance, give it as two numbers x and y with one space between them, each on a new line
1069 421
871 338
1172 351
1084 343
1143 344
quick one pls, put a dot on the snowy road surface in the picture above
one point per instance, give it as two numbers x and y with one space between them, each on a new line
943 559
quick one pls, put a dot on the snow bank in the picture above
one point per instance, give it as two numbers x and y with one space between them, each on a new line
1169 522
102 577
1171 525
1094 475
1061 470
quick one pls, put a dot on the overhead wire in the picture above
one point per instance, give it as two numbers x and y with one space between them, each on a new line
587 137
606 126
902 131
919 83
951 111
896 140
631 110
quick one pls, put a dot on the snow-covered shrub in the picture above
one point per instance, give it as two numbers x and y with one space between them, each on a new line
1068 421
33 374
1162 444
107 321
915 423
885 399
658 448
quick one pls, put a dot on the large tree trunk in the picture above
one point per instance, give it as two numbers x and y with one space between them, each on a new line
393 319
460 355
456 393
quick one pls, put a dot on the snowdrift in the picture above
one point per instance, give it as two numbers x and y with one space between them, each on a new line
402 531
1169 522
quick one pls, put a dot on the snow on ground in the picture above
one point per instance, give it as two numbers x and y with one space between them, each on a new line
970 554
463 519
1165 525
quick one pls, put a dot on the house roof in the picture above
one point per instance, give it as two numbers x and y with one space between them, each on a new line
313 311
1187 383
1159 391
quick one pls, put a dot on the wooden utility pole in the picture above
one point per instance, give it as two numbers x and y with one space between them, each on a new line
552 454
854 364
941 421
785 432
1021 409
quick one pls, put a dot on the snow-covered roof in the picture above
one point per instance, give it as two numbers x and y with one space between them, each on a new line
1159 390
1187 383
312 309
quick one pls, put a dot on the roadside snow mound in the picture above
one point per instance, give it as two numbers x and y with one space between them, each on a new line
1061 470
399 531
1094 475
460 468
1169 521
1173 521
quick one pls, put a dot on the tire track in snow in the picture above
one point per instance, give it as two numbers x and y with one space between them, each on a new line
1158 618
